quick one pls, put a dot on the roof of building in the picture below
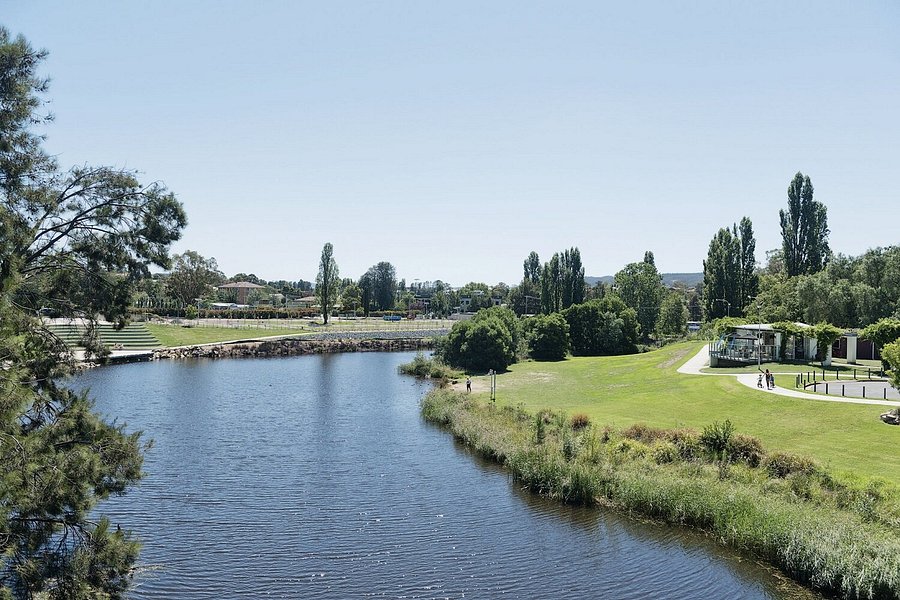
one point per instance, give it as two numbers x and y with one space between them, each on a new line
240 284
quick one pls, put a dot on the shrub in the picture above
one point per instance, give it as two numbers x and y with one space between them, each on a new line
548 337
746 449
644 433
630 448
479 345
665 452
687 441
716 437
782 464
540 428
580 421
431 368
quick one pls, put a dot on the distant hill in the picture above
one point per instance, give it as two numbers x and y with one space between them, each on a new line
688 279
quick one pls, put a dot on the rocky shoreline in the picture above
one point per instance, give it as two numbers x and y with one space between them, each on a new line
305 345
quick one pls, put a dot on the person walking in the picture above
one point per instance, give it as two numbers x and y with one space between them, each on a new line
759 381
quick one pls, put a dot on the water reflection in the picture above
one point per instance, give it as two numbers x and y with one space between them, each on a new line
315 477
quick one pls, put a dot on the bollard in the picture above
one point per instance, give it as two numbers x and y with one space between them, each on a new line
826 388
854 373
864 391
837 375
884 392
842 391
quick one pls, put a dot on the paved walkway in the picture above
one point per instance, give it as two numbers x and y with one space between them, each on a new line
700 361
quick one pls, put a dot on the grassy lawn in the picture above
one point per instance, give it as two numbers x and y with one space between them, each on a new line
622 390
176 335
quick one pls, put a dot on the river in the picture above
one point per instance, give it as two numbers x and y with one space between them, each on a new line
316 477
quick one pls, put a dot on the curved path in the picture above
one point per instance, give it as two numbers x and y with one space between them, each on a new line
700 360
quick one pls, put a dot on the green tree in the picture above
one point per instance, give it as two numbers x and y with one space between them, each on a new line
384 285
602 327
883 332
721 275
327 282
548 337
479 345
804 229
640 286
509 320
826 334
367 291
525 298
78 242
673 315
562 281
729 271
193 276
749 279
532 268
891 355
351 296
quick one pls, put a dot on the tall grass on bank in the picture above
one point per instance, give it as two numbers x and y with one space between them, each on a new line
838 536
429 368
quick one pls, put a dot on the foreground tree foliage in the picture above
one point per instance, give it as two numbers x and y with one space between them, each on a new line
75 242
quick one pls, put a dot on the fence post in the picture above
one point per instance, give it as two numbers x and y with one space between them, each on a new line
842 391
826 388
864 391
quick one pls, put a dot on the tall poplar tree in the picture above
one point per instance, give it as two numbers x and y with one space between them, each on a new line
729 271
804 229
532 268
328 282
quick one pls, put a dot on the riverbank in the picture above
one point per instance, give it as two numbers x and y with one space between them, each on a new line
786 510
323 343
621 390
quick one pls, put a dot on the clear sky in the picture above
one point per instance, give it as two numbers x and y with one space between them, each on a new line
453 138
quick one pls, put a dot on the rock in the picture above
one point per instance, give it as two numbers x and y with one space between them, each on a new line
296 347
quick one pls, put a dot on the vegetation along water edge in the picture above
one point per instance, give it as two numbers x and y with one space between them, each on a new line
825 528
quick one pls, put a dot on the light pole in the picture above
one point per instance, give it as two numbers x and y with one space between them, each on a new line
727 305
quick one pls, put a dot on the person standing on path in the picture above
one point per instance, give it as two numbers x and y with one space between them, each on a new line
469 385
768 380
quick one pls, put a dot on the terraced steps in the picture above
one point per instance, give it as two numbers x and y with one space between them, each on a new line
134 336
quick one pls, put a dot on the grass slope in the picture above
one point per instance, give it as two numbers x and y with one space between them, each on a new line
623 390
175 335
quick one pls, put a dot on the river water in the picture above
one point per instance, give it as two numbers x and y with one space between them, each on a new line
316 477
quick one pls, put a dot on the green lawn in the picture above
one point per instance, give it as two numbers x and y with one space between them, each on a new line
176 335
622 390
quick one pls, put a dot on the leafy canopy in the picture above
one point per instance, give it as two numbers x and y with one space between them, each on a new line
77 242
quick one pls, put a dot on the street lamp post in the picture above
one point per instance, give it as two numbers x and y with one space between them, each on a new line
727 305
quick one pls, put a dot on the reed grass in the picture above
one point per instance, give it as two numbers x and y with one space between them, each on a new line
838 536
429 368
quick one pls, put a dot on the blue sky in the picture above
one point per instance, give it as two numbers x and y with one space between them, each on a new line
453 138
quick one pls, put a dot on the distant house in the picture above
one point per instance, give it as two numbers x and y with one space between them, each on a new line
241 289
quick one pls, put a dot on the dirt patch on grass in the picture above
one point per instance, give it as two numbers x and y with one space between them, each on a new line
675 359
